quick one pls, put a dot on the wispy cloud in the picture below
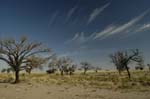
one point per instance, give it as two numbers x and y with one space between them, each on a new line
128 24
79 42
78 38
112 30
144 27
96 12
71 12
53 18
105 32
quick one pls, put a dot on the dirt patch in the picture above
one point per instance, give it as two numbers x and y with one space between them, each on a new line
39 91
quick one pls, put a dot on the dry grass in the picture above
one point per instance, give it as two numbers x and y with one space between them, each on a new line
103 79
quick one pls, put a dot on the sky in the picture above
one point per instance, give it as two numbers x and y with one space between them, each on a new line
84 30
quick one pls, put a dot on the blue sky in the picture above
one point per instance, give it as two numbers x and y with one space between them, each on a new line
85 30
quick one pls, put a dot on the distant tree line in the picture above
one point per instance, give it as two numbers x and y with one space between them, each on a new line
66 66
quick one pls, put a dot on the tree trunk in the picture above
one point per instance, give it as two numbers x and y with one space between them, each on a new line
62 73
29 71
96 71
128 72
84 72
70 73
16 76
119 72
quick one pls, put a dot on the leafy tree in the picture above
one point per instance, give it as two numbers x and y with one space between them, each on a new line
86 66
122 59
16 53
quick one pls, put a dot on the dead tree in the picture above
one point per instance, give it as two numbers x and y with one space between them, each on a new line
140 65
85 66
122 59
16 52
63 64
36 62
96 69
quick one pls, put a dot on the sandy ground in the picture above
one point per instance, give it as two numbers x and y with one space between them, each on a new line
37 91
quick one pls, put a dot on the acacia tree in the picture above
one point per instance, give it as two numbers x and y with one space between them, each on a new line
140 65
97 68
16 53
117 59
63 64
53 65
35 62
122 59
86 66
72 69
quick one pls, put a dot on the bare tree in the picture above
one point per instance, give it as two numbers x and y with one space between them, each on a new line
53 65
35 62
72 69
117 58
63 64
97 68
140 65
148 65
86 66
122 59
16 52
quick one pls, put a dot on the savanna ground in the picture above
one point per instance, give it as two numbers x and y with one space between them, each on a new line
101 85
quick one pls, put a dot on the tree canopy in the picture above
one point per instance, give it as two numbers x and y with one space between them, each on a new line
16 53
